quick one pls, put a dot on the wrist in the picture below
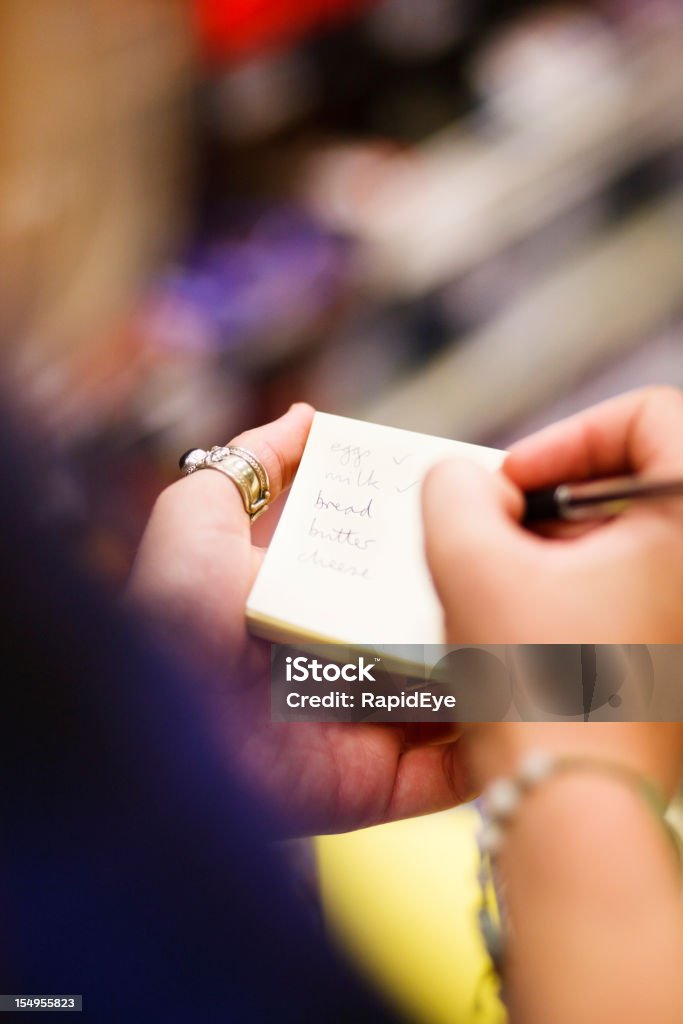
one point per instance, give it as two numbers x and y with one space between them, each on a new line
566 836
587 855
650 749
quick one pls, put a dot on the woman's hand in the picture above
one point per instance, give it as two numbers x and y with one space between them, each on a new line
585 857
619 581
193 572
614 582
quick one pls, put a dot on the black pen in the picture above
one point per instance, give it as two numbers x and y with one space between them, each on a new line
595 499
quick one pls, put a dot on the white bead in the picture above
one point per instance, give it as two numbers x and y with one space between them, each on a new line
490 838
502 799
536 766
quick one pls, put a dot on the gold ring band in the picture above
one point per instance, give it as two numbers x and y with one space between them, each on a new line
241 466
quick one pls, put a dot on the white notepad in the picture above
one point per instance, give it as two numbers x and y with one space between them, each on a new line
346 563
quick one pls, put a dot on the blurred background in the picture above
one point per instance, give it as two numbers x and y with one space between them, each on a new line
453 216
458 217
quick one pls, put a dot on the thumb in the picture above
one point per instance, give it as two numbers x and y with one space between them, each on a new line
475 547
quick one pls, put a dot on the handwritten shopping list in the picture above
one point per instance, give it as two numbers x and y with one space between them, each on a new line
346 563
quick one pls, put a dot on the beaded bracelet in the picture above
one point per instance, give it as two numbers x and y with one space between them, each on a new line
498 806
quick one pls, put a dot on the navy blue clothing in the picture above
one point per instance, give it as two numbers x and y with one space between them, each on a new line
132 868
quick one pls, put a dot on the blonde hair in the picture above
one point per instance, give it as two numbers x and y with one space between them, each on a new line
92 102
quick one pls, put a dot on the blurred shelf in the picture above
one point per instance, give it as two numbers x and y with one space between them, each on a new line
613 293
473 192
657 360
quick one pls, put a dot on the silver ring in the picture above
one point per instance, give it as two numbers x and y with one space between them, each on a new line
241 466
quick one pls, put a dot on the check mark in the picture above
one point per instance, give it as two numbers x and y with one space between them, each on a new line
402 490
399 462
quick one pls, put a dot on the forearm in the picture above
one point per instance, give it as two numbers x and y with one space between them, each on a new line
593 896
591 886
